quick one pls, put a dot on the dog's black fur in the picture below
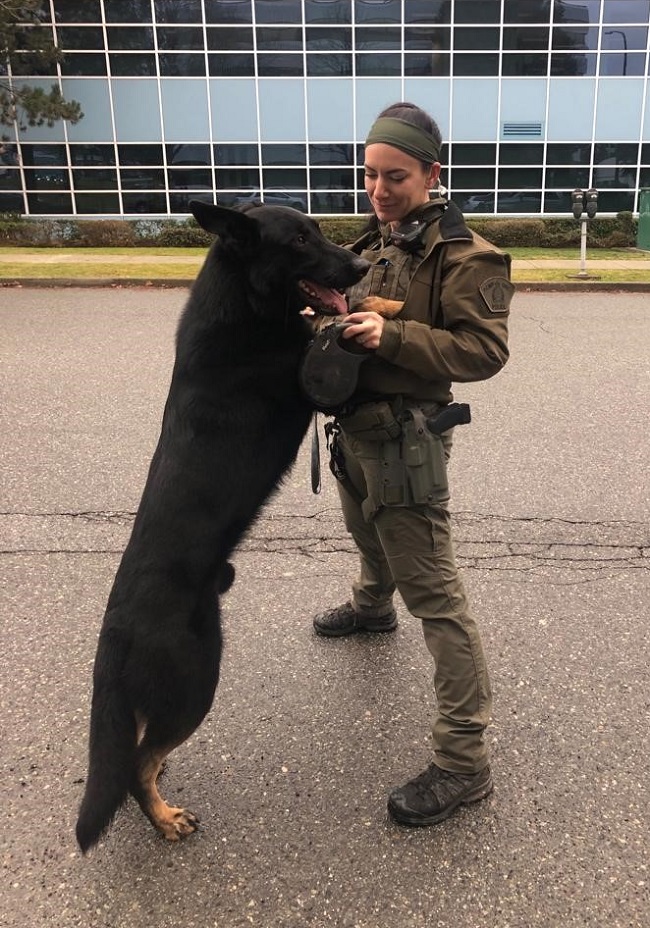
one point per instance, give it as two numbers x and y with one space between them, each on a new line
232 426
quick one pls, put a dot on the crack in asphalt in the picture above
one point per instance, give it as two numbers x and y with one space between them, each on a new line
472 531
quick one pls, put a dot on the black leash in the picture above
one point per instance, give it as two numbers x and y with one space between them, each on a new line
315 455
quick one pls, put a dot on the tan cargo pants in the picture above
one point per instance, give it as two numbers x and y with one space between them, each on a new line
410 548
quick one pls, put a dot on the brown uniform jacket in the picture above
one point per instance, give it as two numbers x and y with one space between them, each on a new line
454 322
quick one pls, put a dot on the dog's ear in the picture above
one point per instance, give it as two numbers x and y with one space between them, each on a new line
232 226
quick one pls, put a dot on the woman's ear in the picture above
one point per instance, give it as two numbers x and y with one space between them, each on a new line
433 175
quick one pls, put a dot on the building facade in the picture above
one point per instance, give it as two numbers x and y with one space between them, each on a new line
245 99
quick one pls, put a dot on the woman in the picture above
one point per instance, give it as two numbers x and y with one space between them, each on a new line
433 309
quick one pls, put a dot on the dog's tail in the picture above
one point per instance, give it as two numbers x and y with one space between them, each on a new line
113 741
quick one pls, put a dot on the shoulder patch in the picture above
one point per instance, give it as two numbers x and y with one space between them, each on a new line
497 293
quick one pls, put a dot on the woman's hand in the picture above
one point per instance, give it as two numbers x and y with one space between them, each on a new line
366 328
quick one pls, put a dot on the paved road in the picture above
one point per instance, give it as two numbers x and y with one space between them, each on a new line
289 772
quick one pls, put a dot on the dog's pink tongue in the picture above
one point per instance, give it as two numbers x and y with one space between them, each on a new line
330 299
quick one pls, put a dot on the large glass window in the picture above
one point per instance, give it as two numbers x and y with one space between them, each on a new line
528 91
178 11
127 11
77 11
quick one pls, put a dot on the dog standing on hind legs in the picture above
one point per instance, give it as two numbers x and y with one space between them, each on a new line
232 426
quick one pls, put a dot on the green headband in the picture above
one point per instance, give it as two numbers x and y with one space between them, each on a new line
405 136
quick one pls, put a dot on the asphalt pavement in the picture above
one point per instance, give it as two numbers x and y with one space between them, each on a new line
289 773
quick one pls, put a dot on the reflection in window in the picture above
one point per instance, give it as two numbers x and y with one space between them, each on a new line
615 201
427 11
94 179
46 178
77 11
37 155
218 11
49 203
189 177
289 40
579 153
178 11
517 153
28 65
129 38
180 39
237 178
514 65
567 177
527 39
426 38
132 65
283 154
624 39
287 65
377 39
467 65
96 203
284 178
476 39
377 65
520 178
328 11
235 154
181 65
229 40
145 202
369 11
83 65
576 11
565 38
528 201
142 179
565 64
319 65
80 38
478 11
325 39
629 12
334 203
188 155
127 11
270 11
473 178
620 65
87 155
331 179
474 154
331 154
136 155
231 65
434 64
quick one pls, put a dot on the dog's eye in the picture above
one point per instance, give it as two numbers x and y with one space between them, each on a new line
300 240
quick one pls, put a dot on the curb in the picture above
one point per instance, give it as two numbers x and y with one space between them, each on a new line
179 283
88 282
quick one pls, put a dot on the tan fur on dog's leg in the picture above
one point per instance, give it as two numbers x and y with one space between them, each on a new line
172 822
376 304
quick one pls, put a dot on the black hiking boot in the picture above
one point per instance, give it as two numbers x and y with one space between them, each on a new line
433 796
345 620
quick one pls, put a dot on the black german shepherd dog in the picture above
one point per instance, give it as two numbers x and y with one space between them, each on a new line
232 426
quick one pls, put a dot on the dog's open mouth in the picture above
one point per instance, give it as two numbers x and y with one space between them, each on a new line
323 300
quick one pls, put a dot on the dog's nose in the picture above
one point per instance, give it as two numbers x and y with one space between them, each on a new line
361 266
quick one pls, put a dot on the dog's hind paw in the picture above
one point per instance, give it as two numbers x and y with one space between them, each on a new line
177 824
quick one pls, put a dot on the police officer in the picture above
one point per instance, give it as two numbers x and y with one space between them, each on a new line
433 309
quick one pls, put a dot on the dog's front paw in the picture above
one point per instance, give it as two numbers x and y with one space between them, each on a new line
377 304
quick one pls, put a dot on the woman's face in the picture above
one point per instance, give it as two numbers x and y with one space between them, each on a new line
396 182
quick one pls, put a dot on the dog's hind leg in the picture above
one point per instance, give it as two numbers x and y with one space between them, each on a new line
171 821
